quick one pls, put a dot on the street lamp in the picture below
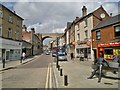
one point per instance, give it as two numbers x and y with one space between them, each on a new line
57 53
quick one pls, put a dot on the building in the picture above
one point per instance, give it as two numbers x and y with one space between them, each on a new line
83 27
106 38
67 37
10 34
31 37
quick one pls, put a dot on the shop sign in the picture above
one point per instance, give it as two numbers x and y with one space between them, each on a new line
109 44
88 43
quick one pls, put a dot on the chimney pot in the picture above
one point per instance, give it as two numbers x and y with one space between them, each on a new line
84 11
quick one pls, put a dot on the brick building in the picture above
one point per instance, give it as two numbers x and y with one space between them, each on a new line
106 38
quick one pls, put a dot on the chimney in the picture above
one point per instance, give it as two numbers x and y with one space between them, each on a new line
24 28
68 24
33 30
84 11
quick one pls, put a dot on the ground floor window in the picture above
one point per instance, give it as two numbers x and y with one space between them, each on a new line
85 51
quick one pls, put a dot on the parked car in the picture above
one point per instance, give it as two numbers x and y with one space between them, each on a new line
47 53
54 54
62 57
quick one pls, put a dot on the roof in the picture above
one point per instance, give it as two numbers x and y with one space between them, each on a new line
110 21
89 14
11 11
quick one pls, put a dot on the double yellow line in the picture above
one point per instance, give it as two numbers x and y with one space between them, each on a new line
49 78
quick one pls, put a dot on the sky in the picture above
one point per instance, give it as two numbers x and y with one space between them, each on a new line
51 16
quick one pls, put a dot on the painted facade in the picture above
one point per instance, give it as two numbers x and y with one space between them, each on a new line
10 34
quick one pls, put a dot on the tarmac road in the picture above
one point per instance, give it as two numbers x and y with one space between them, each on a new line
29 75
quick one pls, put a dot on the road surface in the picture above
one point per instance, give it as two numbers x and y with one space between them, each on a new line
29 75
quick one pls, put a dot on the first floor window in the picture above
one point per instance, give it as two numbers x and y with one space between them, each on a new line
17 35
9 33
117 31
98 35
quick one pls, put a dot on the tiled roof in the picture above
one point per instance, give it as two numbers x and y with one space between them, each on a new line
108 22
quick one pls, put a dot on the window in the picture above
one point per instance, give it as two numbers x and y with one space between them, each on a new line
18 22
17 35
86 34
117 31
86 23
78 36
98 35
0 30
78 27
1 14
9 33
10 19
108 51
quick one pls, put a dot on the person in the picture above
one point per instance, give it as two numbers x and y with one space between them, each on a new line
23 56
81 56
98 62
71 55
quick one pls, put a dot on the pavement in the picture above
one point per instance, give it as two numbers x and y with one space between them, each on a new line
15 63
77 73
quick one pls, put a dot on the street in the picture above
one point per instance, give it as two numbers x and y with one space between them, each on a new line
29 75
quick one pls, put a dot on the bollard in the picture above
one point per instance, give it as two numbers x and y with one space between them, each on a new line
65 80
3 63
61 74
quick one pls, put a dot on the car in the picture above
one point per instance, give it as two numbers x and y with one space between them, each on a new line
62 57
47 53
54 54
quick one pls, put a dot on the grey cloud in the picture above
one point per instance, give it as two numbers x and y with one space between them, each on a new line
53 15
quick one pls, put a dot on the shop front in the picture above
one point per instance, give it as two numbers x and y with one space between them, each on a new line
83 49
109 50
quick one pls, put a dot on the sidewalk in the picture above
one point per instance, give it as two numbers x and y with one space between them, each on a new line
15 63
77 72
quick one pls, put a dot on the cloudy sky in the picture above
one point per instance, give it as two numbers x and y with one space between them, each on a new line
51 16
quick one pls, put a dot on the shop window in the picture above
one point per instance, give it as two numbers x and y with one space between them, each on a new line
98 35
108 51
117 31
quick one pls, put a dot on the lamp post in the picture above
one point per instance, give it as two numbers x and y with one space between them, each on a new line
57 54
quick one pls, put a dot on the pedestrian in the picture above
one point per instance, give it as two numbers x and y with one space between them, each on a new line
99 63
72 56
23 56
81 56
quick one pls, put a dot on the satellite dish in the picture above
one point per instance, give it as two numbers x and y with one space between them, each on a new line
102 15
